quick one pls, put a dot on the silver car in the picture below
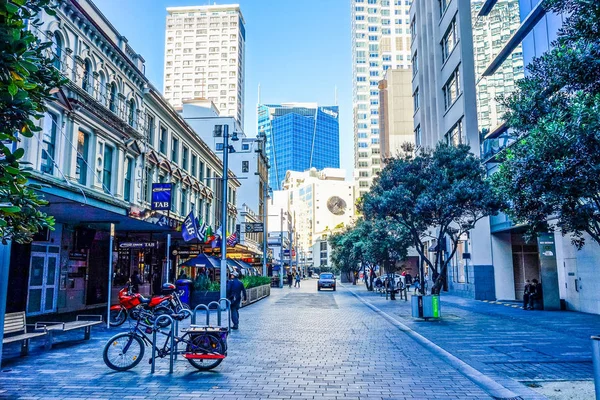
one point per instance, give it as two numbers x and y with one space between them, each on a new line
326 280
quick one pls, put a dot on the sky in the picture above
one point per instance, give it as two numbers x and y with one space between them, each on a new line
298 51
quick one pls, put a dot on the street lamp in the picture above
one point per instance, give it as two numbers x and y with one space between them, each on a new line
226 149
267 192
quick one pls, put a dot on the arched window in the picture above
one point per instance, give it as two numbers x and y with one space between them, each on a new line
132 112
102 87
57 49
112 101
87 76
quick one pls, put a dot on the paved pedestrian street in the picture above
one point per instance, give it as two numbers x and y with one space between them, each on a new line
296 344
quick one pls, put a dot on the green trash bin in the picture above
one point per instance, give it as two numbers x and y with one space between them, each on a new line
426 306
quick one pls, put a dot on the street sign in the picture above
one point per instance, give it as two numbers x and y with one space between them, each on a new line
161 196
286 252
253 227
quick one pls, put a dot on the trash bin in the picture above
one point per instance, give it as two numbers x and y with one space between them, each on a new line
426 306
185 285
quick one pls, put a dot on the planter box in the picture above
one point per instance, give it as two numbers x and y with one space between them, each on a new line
256 293
202 297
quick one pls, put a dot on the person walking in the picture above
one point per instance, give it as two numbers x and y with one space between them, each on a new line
289 278
297 283
536 293
372 277
236 292
136 281
526 294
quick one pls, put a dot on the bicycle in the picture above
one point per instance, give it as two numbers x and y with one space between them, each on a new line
206 346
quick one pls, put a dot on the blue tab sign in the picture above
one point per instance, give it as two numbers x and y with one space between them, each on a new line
161 196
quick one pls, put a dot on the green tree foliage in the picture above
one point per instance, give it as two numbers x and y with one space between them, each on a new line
552 171
348 249
26 78
442 190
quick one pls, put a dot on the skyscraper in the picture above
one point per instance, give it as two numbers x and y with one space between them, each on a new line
380 41
204 57
299 136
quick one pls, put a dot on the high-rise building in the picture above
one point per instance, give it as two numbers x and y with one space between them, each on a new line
299 136
380 41
395 112
204 57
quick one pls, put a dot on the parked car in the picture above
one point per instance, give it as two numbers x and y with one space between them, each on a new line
326 280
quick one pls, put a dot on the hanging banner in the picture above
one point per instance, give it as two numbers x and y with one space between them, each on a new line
161 196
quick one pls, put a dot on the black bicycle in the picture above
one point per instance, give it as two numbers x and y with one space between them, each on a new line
205 346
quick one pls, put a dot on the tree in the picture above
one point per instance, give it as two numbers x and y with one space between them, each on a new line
347 250
552 171
387 242
26 79
442 190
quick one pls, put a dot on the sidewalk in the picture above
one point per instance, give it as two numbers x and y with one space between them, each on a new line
501 341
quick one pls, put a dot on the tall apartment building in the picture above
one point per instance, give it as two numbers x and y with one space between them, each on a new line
380 41
205 55
299 136
395 112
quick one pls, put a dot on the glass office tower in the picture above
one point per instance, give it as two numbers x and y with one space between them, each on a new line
299 136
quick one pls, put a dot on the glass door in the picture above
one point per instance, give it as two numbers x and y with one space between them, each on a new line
42 280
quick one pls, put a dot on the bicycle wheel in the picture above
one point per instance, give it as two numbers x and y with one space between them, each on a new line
123 351
118 317
205 343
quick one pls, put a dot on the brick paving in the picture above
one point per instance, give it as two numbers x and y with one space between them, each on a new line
296 344
504 342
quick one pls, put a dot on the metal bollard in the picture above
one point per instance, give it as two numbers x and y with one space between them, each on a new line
171 334
228 308
184 311
203 307
596 359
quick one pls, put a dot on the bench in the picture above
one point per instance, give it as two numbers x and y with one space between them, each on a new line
16 328
83 321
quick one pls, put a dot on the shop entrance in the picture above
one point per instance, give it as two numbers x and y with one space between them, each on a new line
41 296
526 263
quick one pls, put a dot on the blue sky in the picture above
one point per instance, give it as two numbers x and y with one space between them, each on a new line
296 50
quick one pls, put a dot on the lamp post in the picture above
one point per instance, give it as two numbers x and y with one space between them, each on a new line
266 190
234 138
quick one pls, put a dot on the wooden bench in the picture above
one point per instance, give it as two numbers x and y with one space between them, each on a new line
83 321
16 328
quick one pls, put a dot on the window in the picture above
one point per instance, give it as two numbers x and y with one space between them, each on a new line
150 130
415 63
162 145
194 162
132 113
49 143
87 84
413 30
201 172
107 168
455 136
416 100
451 89
57 49
183 204
218 131
245 166
418 136
245 146
112 102
82 157
208 181
174 150
148 191
449 40
443 6
184 158
128 174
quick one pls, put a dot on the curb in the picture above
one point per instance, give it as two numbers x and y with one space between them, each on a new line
489 385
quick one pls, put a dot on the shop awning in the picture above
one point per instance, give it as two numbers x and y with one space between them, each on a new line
202 260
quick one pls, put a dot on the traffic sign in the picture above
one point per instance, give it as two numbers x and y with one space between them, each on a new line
253 227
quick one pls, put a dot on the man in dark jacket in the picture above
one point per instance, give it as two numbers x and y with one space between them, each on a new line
536 293
235 290
135 282
526 294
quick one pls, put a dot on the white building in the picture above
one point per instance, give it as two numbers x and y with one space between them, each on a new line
247 161
321 203
204 57
380 41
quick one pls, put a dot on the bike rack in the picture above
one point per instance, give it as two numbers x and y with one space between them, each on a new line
208 308
183 311
155 329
